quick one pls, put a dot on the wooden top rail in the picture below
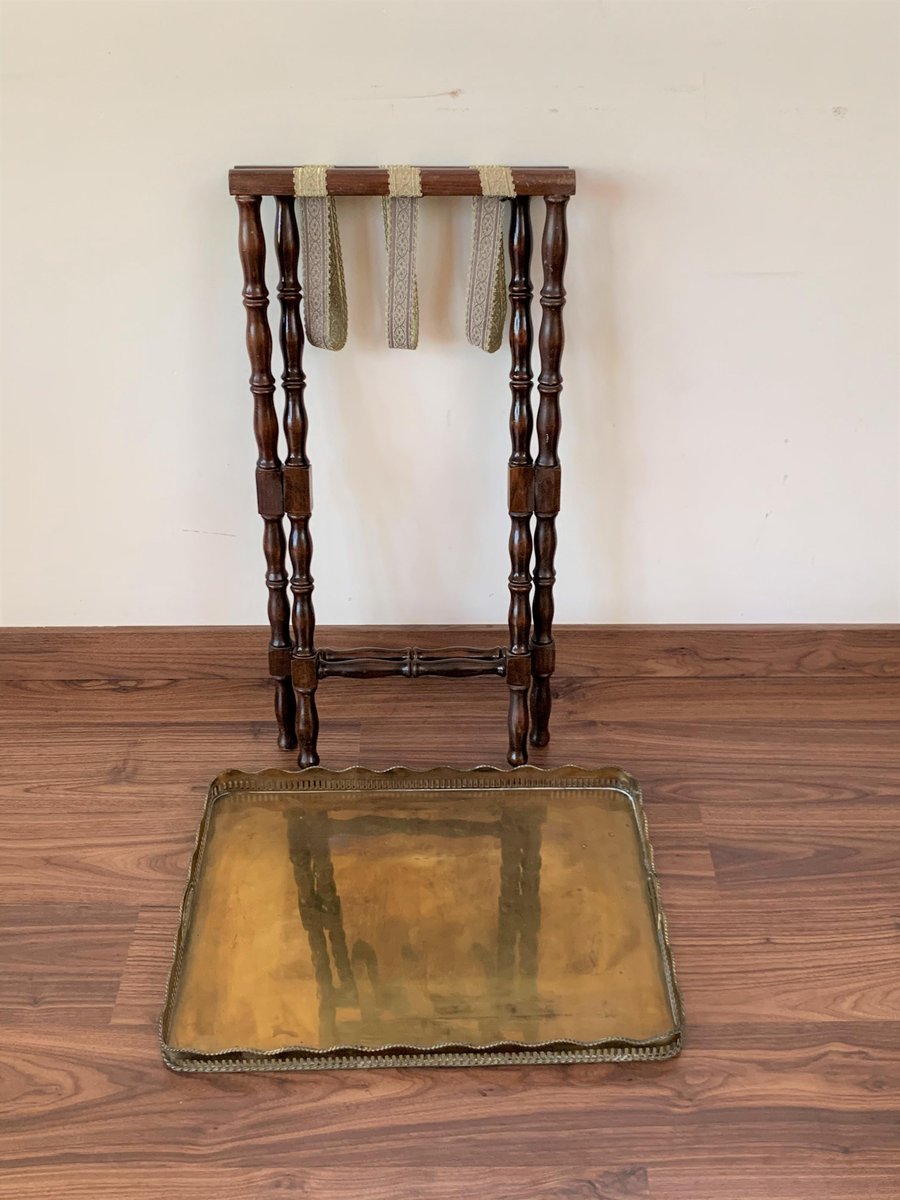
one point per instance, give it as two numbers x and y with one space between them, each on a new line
373 181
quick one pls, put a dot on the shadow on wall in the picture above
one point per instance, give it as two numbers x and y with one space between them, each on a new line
379 447
596 510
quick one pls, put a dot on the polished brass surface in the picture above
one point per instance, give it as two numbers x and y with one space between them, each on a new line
367 918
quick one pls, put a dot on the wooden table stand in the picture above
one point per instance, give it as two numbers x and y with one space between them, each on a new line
284 488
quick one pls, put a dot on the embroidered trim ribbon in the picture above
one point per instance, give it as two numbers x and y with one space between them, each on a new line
400 210
324 288
486 296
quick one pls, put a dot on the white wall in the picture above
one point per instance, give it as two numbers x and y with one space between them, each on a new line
730 438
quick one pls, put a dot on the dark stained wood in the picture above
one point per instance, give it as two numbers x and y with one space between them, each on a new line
626 699
252 246
521 476
294 662
63 963
298 488
551 339
589 651
373 181
771 774
451 662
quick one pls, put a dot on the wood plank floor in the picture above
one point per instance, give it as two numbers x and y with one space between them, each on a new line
770 761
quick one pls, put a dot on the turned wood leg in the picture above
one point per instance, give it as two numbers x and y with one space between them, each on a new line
547 468
270 503
521 479
304 672
285 712
297 485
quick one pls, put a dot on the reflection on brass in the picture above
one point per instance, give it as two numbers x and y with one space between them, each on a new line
364 918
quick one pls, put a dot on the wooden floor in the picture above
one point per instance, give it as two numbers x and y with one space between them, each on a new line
770 761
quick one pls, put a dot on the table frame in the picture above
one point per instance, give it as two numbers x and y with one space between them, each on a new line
284 488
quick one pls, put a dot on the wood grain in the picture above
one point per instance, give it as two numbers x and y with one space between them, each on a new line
770 762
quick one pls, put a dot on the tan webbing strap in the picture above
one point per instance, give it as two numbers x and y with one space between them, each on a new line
400 211
486 295
324 289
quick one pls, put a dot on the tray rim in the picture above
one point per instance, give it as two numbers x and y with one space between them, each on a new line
436 779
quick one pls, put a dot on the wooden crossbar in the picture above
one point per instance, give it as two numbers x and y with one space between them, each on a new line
373 181
454 662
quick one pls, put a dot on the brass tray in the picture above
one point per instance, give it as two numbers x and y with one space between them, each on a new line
397 918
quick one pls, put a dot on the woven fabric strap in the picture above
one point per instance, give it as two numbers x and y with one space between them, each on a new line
401 215
486 298
324 289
